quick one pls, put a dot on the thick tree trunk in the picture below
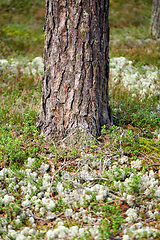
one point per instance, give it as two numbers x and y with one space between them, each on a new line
76 68
155 21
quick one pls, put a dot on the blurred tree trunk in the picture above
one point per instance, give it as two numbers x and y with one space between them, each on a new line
76 69
155 21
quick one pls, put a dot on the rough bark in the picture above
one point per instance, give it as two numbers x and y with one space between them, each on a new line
155 21
76 68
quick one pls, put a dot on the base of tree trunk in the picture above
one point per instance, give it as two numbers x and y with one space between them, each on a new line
75 98
78 137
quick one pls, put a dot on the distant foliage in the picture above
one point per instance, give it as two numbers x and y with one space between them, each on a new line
20 4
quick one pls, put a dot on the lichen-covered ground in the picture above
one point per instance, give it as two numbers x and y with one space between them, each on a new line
108 190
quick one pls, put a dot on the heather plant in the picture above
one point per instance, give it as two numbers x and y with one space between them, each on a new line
112 222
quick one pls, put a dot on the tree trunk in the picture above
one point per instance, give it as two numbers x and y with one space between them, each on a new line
155 21
76 68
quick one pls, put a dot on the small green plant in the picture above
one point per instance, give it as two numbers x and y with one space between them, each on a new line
60 206
103 130
112 222
134 185
68 184
87 235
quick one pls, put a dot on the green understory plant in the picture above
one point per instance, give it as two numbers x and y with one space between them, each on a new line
112 221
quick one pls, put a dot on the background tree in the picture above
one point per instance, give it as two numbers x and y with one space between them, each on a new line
76 69
155 21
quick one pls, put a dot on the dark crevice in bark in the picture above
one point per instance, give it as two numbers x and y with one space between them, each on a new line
83 58
52 17
65 49
43 105
47 96
49 43
80 11
47 9
108 30
66 25
47 81
72 101
107 62
60 83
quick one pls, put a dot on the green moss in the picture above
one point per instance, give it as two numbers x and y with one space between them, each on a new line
83 32
77 57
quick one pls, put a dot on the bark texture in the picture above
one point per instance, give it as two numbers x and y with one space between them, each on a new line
76 68
155 21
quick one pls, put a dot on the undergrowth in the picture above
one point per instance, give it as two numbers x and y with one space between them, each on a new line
135 133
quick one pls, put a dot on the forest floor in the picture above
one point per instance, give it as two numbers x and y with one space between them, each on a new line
108 190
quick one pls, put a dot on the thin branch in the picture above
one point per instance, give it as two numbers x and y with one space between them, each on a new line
53 176
35 217
155 164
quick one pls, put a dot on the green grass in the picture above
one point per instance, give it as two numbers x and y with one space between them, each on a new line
21 27
129 108
113 220
128 22
124 14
